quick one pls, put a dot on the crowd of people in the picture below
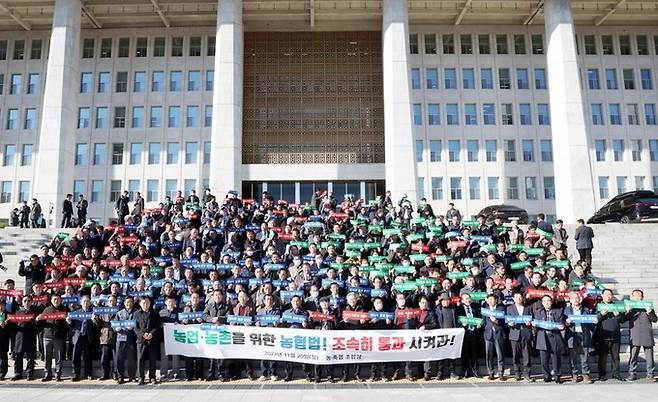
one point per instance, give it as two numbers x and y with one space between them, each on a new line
27 216
513 291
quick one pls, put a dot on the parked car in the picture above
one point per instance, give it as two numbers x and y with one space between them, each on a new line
633 206
506 212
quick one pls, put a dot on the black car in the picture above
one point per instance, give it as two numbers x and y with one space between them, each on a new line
506 212
634 206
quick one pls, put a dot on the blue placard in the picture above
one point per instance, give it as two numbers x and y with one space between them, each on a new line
327 282
155 283
194 315
121 279
224 267
273 267
118 324
454 233
316 225
180 221
547 325
212 327
492 313
166 260
584 319
378 293
70 300
255 282
105 310
381 315
518 319
281 283
239 319
206 283
594 291
337 301
80 315
287 295
481 239
294 318
268 318
237 281
359 290
203 267
99 299
141 293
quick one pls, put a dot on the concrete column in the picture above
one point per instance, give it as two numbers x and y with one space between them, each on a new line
55 149
226 133
574 187
400 167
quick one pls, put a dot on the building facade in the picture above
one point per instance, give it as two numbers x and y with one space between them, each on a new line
457 105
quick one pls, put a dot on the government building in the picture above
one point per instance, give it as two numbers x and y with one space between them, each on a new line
547 105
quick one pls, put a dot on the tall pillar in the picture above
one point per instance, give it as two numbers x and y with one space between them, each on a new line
400 166
574 187
226 133
55 150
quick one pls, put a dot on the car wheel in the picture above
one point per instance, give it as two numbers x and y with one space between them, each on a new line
625 219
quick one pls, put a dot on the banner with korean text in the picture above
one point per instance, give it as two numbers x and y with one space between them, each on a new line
311 346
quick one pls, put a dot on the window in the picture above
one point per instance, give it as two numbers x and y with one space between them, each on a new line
504 78
540 78
23 191
413 43
88 48
633 114
650 114
653 150
486 78
636 150
621 184
470 114
468 78
513 188
79 187
33 83
492 188
81 152
152 190
141 48
9 157
156 117
174 117
159 47
154 153
3 50
519 44
210 80
525 114
138 117
437 188
618 150
189 185
600 147
177 46
448 44
124 47
193 117
115 190
629 78
418 114
450 78
419 150
647 81
507 114
173 149
474 188
639 183
117 154
472 149
212 42
491 150
433 114
522 78
466 42
175 79
614 110
531 188
99 154
157 81
604 191
206 152
537 44
606 45
489 114
484 47
30 122
96 191
171 188
208 116
597 114
453 150
194 81
140 82
452 114
642 45
5 193
549 188
191 153
611 78
528 147
122 81
16 84
19 50
120 117
593 78
435 150
432 78
133 188
455 188
26 155
103 82
510 151
501 44
655 178
590 44
543 116
12 119
106 48
415 78
546 150
136 153
86 82
195 46
2 83
430 44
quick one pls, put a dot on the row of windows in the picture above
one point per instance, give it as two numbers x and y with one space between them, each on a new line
487 114
139 47
135 153
17 87
456 187
14 122
9 156
24 191
138 117
450 79
18 50
615 114
606 45
139 82
152 193
619 149
491 149
622 185
628 75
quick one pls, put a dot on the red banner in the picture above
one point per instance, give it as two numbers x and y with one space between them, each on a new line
318 316
407 313
13 292
420 247
52 268
139 262
338 215
455 299
248 201
563 294
456 244
52 316
301 219
355 315
284 236
54 285
74 281
129 240
40 299
538 293
20 317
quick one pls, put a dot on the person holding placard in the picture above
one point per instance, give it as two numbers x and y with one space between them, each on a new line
494 336
468 315
82 327
608 332
641 317
519 318
549 322
54 338
578 336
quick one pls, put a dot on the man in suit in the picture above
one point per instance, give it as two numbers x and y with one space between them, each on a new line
296 309
494 337
470 346
578 338
608 337
584 245
640 323
446 318
520 336
147 326
549 341
121 207
54 338
125 343
67 211
25 341
82 339
82 207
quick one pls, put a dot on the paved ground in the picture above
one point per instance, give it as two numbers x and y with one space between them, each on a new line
472 392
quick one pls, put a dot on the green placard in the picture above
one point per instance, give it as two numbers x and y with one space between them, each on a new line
419 220
336 236
371 246
402 269
517 266
475 321
354 246
417 257
426 281
455 275
395 246
299 243
339 265
366 268
352 253
405 286
544 233
516 247
442 258
612 307
490 248
558 263
501 229
641 304
90 283
467 261
156 270
471 223
576 284
375 228
376 258
378 272
534 251
62 235
415 237
541 268
387 232
383 265
478 296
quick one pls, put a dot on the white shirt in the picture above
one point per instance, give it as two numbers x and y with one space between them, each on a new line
578 327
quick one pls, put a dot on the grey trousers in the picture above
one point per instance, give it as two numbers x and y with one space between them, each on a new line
53 348
648 357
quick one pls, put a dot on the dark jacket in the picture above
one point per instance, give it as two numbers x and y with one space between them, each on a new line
446 318
609 327
428 319
25 338
494 331
519 332
549 339
583 237
80 326
147 322
588 329
55 329
640 324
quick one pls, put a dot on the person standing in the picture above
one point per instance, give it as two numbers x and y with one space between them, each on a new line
494 337
25 341
640 323
4 339
168 315
35 214
107 337
54 338
578 338
121 207
549 339
34 272
82 340
446 318
608 337
296 311
146 330
583 236
138 205
24 213
268 367
125 343
82 207
453 212
470 366
560 235
67 211
520 336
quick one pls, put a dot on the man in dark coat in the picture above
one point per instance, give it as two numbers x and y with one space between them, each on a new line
379 370
168 315
24 213
215 312
578 338
4 339
25 340
520 336
494 336
608 336
54 338
67 211
125 352
83 332
33 272
640 324
82 207
468 309
122 207
549 340
297 310
427 320
446 318
146 330
584 245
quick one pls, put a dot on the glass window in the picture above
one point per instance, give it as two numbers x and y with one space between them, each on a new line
597 114
174 117
549 187
633 114
543 115
24 191
618 150
639 183
472 150
413 43
157 84
88 48
437 188
474 188
653 150
507 114
173 149
86 83
455 188
492 188
607 45
510 151
486 77
101 117
193 117
175 81
159 47
120 117
3 50
133 188
590 44
30 122
519 44
453 150
546 150
189 185
655 178
419 150
420 185
154 153
525 114
629 78
9 157
470 114
33 83
152 190
122 81
513 188
19 49
489 114
212 42
501 44
79 187
115 190
531 188
415 78
12 119
528 150
418 114
177 46
435 150
621 184
26 155
504 78
450 78
206 152
614 109
466 42
5 192
642 45
191 153
140 81
468 78
194 80
636 150
16 84
81 152
452 114
430 44
604 191
448 44
522 78
537 44
491 149
600 147
484 46
106 48
136 153
141 48
99 154
650 114
611 78
124 47
117 153
540 78
593 78
156 117
138 117
195 46
103 82
645 76
210 80
432 78
96 191
208 116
